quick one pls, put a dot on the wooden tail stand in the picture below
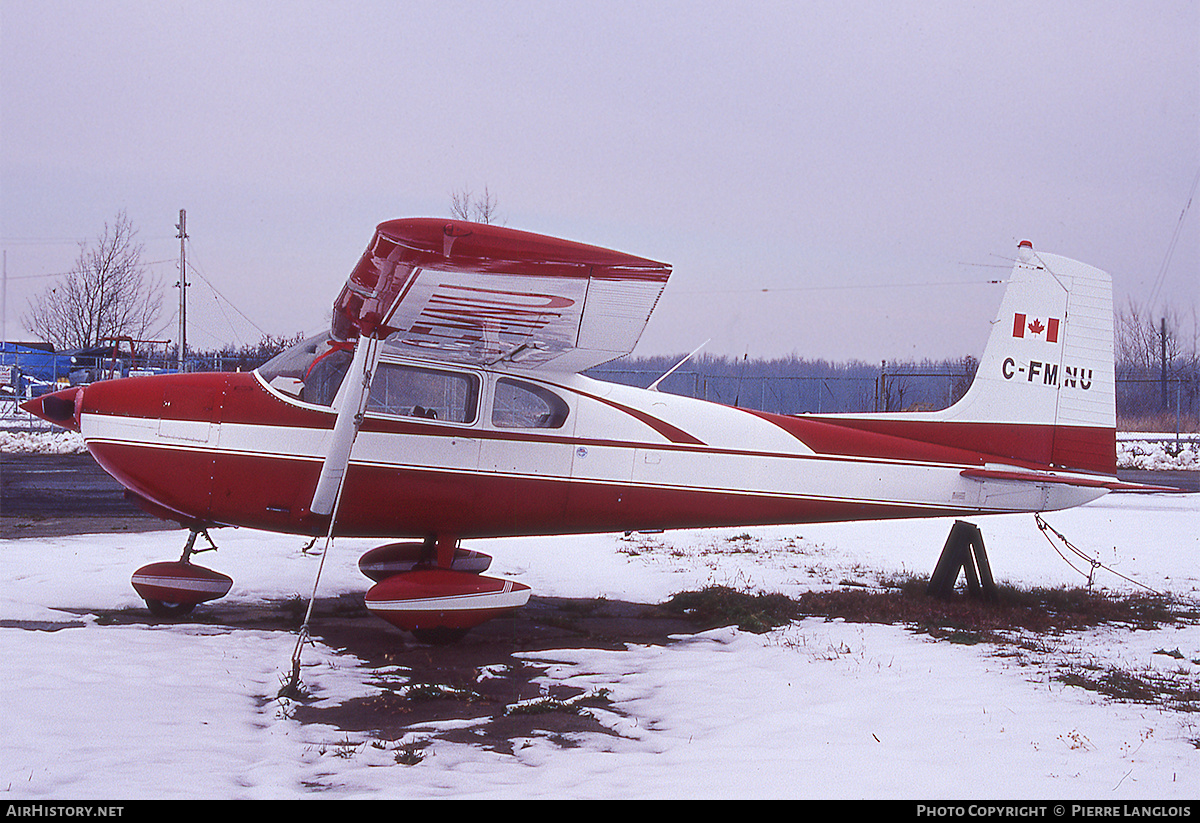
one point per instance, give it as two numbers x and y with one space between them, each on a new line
963 550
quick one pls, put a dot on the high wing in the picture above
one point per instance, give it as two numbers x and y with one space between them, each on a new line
478 294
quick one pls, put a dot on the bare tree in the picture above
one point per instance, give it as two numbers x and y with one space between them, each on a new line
1158 364
465 206
1140 336
107 294
960 383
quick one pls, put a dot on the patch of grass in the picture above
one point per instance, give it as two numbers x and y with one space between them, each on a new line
1136 687
346 749
291 688
547 704
434 691
906 602
965 638
582 606
410 754
725 606
542 705
970 621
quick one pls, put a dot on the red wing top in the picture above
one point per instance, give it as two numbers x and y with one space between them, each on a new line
478 294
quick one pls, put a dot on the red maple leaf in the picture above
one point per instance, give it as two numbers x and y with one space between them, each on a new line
1036 326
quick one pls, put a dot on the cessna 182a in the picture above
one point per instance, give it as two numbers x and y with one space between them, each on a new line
446 402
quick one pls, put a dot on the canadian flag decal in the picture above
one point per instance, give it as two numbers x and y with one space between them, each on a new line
1022 324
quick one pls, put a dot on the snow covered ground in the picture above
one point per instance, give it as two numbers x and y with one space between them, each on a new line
817 709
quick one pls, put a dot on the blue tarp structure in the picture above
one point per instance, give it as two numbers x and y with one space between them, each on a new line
31 365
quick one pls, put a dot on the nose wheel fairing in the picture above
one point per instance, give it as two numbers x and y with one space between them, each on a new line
173 588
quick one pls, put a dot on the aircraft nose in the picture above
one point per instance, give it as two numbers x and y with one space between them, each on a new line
61 408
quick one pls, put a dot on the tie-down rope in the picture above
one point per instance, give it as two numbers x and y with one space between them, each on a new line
1093 562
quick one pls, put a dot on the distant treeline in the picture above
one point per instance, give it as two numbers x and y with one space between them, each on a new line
1148 399
793 385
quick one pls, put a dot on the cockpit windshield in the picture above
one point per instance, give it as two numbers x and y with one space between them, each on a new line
311 371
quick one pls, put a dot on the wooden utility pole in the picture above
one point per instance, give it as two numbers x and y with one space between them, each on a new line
1163 336
182 226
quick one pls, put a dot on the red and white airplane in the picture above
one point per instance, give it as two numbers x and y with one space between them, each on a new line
447 403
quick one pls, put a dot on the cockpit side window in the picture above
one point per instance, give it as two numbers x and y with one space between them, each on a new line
324 377
312 370
521 405
410 391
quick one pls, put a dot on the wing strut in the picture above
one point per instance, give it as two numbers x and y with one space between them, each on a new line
351 402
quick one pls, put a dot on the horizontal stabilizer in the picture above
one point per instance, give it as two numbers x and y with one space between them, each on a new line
1018 475
1025 476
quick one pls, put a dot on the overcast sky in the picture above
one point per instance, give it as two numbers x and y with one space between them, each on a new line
830 179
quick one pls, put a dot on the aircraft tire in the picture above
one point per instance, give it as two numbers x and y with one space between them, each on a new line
439 636
160 609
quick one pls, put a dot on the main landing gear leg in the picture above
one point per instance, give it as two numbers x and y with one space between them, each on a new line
446 546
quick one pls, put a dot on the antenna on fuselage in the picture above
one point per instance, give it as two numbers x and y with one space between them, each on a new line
654 386
737 397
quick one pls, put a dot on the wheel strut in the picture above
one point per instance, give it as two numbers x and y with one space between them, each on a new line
189 548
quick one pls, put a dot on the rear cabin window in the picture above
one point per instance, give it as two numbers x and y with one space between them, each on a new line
410 391
521 405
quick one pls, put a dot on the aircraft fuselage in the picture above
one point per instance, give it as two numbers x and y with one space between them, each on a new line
508 453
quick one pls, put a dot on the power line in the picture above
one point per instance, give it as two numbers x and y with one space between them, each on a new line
229 302
73 271
769 290
1162 272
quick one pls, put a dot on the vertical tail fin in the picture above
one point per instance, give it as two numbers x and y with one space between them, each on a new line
1048 363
